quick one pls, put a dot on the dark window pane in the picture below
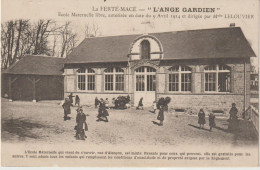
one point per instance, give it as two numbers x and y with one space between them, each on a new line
173 82
81 82
109 82
224 82
145 49
210 81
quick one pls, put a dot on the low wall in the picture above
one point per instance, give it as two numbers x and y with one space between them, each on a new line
89 98
186 102
253 115
207 102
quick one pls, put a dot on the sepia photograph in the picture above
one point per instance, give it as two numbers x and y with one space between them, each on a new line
129 84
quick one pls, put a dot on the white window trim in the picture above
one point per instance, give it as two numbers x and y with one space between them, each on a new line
86 81
216 85
145 73
179 72
114 73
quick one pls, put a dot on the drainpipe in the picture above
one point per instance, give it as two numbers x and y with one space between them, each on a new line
244 89
128 62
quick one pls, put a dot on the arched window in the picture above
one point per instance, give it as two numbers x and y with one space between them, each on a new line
180 78
86 77
145 49
114 79
217 78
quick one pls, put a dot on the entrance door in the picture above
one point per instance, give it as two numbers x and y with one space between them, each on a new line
145 85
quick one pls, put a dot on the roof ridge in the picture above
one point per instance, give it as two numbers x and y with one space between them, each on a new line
14 64
31 55
198 30
161 32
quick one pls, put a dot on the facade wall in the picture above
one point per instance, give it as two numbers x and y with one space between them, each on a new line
196 98
209 103
88 99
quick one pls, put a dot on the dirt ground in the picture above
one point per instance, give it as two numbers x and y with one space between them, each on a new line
24 122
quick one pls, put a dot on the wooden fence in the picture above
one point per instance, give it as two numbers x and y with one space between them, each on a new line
253 115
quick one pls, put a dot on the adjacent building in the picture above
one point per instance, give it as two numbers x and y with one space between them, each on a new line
34 78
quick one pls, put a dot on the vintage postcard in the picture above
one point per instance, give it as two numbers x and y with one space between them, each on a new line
141 83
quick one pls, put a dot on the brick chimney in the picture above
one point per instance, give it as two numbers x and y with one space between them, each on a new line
232 25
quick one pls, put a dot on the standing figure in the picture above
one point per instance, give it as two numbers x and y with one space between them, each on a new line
233 121
66 106
71 98
77 100
100 109
211 121
233 112
113 103
81 124
154 106
105 114
102 112
140 104
96 102
161 115
201 116
107 103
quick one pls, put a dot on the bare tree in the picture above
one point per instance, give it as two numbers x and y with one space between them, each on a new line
4 45
42 31
91 30
44 37
87 30
95 29
54 46
22 25
19 37
7 40
68 39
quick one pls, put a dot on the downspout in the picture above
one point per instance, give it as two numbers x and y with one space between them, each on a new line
244 89
128 62
64 81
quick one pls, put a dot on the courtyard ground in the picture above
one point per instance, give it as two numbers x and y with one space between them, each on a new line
42 122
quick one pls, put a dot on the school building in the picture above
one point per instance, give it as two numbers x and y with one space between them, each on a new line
207 68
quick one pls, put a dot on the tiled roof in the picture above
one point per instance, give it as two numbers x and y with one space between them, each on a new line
37 65
192 44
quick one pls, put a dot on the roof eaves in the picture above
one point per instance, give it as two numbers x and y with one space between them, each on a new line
35 74
86 62
243 35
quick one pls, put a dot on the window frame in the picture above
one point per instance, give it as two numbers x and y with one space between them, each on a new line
114 74
146 71
86 74
179 74
216 72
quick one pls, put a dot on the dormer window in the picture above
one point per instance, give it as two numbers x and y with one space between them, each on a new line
145 49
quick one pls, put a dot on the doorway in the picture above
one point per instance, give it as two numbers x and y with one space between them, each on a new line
145 85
